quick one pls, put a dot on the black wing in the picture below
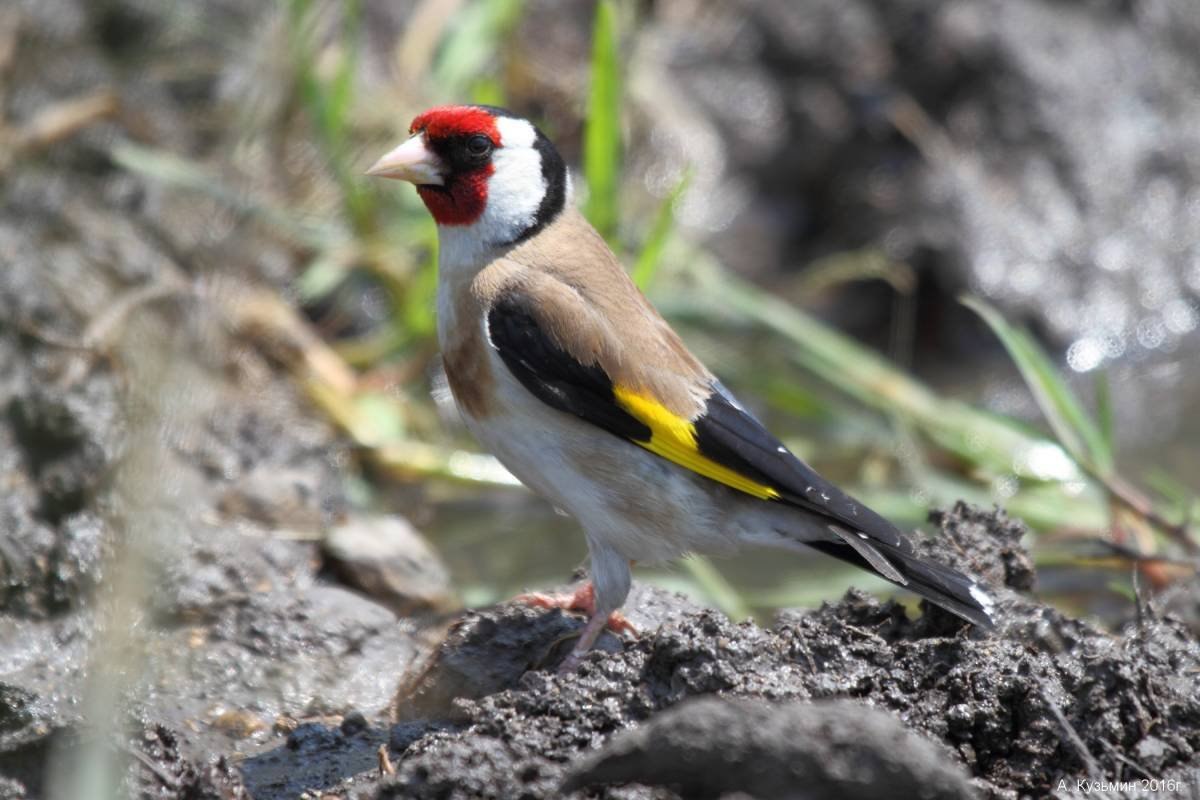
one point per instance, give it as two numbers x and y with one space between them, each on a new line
552 374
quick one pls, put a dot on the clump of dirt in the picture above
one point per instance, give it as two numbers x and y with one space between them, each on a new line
983 543
709 746
1041 699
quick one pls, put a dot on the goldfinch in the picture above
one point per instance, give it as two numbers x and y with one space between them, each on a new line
563 369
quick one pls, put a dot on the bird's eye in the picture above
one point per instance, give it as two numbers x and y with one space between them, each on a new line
479 145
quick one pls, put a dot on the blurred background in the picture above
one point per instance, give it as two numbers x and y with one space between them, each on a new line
947 250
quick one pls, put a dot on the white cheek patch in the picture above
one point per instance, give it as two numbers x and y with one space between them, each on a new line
515 132
516 188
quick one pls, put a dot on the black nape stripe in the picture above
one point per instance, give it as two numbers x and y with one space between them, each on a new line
554 174
552 374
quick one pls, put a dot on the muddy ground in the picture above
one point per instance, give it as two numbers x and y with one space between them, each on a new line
854 699
268 674
276 665
177 533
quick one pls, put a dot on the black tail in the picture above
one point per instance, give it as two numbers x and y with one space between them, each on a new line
941 585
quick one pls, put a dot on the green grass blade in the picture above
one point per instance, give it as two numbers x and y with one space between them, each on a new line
650 258
992 444
1070 422
340 93
602 137
472 47
329 102
419 318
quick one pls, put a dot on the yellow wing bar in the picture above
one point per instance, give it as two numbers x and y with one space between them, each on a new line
674 438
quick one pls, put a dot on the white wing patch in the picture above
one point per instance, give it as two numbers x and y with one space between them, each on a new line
983 598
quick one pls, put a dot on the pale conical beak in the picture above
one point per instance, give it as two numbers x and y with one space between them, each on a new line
412 162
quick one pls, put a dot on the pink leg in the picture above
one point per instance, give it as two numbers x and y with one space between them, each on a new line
583 600
587 638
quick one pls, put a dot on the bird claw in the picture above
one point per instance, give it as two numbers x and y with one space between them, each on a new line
582 600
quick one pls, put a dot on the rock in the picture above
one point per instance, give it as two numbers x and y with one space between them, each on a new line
352 723
78 560
706 747
300 653
238 628
280 499
269 463
386 558
209 568
238 723
1151 752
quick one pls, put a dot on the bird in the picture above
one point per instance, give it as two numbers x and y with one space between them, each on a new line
563 369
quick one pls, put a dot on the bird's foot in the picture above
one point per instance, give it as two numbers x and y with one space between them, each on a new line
582 600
